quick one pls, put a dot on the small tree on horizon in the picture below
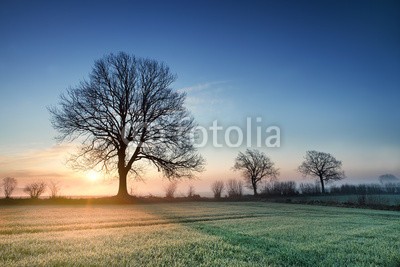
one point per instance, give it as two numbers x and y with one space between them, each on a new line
255 167
191 191
217 187
234 188
388 178
54 187
35 190
170 189
322 166
9 184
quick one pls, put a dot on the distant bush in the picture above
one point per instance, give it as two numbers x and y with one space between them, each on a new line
392 188
8 184
366 189
54 188
388 178
170 189
235 188
191 191
310 189
195 197
280 189
217 187
35 190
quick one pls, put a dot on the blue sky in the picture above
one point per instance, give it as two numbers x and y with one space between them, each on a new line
327 72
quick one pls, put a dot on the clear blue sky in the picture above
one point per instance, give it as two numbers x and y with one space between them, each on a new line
327 72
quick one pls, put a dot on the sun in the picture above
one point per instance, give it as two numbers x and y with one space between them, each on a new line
92 175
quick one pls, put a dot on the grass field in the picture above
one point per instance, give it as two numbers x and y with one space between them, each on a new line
198 234
378 199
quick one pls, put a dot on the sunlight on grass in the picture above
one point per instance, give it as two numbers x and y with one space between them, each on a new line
198 234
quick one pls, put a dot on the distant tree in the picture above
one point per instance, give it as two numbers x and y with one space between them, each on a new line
388 178
35 190
392 188
234 188
54 187
170 189
364 189
280 188
217 187
127 112
323 166
255 166
311 189
9 184
191 191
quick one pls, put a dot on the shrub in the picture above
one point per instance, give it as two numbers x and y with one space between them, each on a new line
280 189
217 187
170 189
35 190
235 188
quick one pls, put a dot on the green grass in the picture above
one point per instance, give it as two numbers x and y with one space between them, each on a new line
198 234
378 199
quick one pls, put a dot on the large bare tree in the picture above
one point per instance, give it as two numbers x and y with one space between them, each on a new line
255 166
124 113
322 166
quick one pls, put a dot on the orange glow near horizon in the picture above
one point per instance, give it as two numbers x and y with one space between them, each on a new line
49 164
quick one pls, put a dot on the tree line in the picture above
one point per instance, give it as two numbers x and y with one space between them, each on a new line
231 188
291 188
34 190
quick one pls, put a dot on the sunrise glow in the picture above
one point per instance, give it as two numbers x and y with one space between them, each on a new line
92 175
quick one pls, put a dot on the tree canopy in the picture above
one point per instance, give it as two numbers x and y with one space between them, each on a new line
127 112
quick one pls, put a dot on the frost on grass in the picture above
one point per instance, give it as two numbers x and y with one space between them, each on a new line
198 234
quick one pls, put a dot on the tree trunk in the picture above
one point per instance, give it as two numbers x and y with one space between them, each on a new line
122 189
123 173
322 185
255 189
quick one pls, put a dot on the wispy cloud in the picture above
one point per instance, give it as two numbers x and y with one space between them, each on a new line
201 86
46 162
205 98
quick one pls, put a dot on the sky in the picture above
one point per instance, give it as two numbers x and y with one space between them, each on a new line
325 72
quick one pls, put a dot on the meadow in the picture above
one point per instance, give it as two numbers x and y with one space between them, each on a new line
198 234
382 200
